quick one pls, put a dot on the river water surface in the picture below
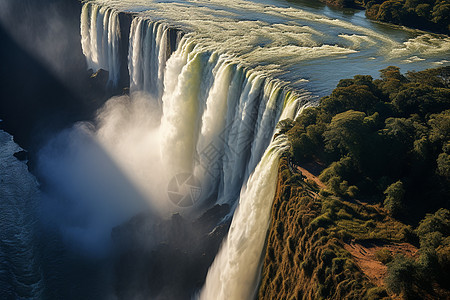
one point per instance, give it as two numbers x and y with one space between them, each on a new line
224 88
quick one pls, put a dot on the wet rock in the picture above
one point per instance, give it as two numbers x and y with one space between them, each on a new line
167 259
21 155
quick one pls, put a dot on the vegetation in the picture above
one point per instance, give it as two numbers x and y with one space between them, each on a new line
384 256
432 15
402 275
305 257
385 142
394 198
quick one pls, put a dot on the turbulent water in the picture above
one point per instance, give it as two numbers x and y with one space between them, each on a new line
234 273
209 81
307 46
20 276
223 85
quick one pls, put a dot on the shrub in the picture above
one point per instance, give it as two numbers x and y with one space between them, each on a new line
296 178
324 193
370 224
408 234
321 221
402 275
383 255
439 221
431 240
376 293
394 197
285 174
429 264
312 183
343 214
338 265
352 191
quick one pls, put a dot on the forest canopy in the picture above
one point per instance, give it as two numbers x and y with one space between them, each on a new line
431 15
385 140
385 143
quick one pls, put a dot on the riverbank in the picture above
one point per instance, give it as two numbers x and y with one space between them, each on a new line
425 15
349 217
321 246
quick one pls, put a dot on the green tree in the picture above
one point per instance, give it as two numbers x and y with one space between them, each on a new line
308 116
423 10
392 79
356 96
439 77
443 165
440 127
441 13
302 147
394 198
391 11
402 275
439 221
345 133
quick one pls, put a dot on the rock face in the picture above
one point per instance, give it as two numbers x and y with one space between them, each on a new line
166 259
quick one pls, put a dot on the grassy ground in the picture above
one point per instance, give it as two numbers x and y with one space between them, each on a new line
306 256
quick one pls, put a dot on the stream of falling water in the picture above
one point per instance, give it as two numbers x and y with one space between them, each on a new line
217 119
219 100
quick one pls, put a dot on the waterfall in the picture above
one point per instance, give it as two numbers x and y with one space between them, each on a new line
234 272
217 122
218 118
150 47
100 32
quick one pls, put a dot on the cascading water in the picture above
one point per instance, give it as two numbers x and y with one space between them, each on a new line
150 47
217 119
209 103
100 31
234 272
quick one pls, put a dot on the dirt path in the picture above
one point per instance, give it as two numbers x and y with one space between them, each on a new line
309 175
364 253
365 258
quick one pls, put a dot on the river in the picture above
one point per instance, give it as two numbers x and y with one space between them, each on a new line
205 105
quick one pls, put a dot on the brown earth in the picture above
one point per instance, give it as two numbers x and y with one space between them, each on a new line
364 256
310 176
364 252
311 170
302 259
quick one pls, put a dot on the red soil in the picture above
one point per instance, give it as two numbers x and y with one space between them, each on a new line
364 255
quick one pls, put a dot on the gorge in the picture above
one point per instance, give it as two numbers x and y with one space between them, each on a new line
198 88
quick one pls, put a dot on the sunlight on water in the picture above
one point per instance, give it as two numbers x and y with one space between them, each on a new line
282 40
218 97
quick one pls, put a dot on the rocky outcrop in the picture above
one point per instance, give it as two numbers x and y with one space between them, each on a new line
167 259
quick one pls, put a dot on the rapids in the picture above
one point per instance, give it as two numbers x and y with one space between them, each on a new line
222 74
208 82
